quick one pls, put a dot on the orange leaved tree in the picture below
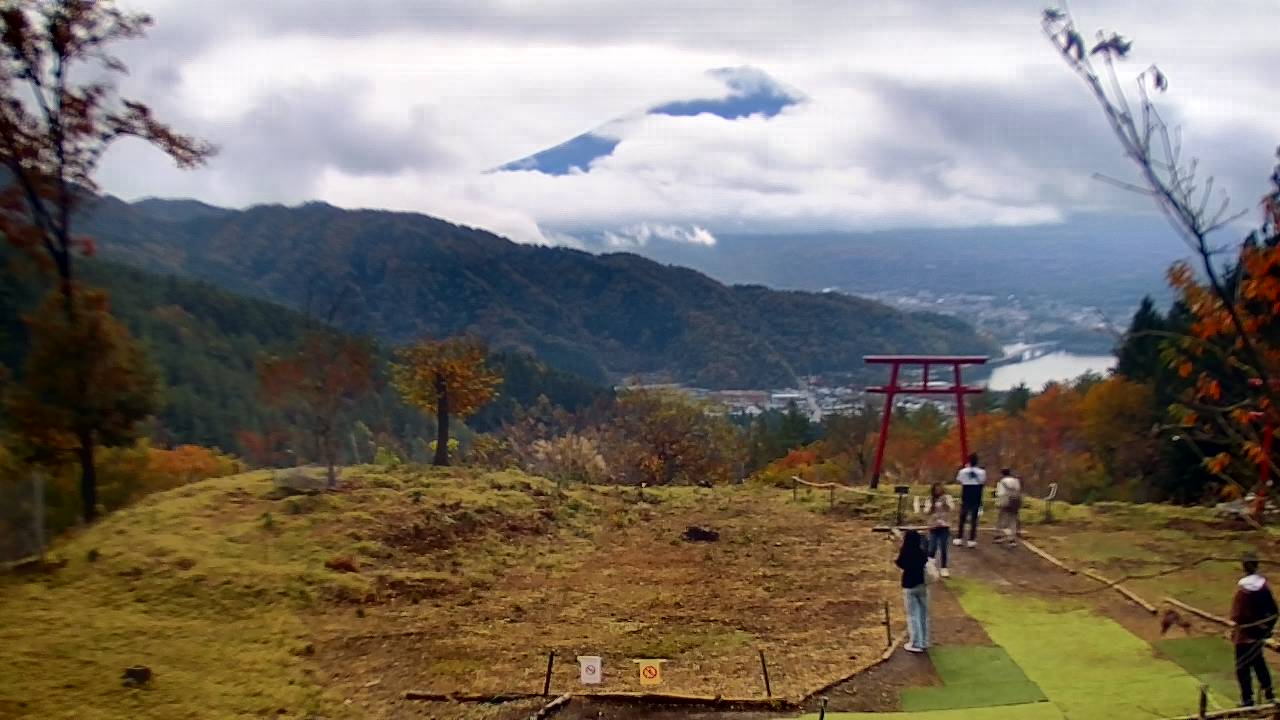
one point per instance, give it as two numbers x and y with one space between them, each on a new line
1230 355
446 377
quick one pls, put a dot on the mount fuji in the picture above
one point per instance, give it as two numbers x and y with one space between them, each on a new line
747 91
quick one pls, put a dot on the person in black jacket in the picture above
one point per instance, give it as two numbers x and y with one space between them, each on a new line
1253 610
912 558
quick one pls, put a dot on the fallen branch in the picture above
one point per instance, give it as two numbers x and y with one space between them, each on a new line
1048 558
1122 590
552 707
490 698
715 701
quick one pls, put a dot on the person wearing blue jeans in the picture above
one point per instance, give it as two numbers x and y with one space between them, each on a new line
915 593
939 509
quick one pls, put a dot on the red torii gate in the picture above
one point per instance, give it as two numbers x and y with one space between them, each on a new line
957 388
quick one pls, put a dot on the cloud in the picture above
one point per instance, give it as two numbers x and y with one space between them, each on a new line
915 113
640 235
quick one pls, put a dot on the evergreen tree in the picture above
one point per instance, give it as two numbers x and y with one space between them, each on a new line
1138 356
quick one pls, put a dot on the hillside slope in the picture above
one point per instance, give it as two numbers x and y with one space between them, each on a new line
444 581
404 276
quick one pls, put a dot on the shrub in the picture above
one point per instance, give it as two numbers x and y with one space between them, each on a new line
570 458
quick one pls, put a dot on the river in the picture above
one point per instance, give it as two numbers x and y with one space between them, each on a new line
1056 366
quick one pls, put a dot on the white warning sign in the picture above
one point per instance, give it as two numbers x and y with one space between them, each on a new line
590 669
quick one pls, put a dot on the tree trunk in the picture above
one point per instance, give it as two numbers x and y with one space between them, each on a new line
88 478
442 422
326 448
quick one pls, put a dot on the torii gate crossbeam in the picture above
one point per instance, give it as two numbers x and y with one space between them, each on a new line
893 389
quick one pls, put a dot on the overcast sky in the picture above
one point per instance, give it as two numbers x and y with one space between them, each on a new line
915 113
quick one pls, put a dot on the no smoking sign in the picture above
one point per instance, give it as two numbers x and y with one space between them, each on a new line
589 669
650 671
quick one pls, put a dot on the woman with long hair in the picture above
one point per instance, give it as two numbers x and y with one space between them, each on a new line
911 559
939 511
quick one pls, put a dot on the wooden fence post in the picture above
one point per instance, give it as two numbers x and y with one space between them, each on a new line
888 626
1204 701
822 709
546 685
764 667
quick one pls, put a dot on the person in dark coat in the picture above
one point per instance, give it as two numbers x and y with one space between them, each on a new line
1253 610
915 592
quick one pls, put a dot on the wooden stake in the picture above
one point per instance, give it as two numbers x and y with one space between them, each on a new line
888 626
822 709
546 685
1204 701
764 667
831 497
795 485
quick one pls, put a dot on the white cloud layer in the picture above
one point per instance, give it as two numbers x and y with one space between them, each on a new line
917 113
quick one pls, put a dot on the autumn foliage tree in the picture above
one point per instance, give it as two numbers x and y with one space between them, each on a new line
664 438
445 377
1231 354
318 383
59 115
71 403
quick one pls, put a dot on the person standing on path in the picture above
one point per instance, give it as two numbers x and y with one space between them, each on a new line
940 507
972 479
1253 610
1008 502
915 592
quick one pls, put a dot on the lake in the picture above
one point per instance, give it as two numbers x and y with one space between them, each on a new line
1056 366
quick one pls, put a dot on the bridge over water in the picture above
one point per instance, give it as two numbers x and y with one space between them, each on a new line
1022 352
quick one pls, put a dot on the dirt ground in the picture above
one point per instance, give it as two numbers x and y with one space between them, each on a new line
805 587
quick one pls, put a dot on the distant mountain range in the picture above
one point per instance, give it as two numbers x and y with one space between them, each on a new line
1089 259
1107 262
401 276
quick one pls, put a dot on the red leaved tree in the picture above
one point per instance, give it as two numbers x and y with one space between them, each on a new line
59 115
317 384
54 128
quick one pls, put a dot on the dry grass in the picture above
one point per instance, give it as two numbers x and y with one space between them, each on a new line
463 581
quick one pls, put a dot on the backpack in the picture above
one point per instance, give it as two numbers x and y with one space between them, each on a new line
1012 496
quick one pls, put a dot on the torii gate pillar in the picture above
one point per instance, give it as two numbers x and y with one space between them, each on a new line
893 389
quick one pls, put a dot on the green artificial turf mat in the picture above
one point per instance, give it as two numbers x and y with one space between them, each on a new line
1088 665
972 677
1037 711
1212 659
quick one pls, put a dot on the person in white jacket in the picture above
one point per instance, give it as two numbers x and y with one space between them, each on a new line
1008 502
972 478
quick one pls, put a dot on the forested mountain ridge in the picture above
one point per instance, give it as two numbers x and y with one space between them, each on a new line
205 344
401 276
